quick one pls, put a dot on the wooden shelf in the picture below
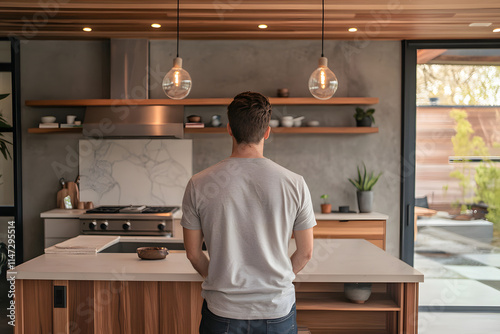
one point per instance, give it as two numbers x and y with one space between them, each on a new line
55 130
200 102
336 301
303 130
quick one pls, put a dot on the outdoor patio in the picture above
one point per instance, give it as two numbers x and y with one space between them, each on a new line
461 292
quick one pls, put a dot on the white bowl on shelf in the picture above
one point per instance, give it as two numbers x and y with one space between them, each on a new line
287 121
274 123
48 119
313 123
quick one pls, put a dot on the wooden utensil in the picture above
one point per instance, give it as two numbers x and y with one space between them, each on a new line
61 194
73 193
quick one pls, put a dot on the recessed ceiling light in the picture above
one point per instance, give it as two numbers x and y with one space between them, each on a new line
353 29
496 30
480 24
156 25
263 26
87 29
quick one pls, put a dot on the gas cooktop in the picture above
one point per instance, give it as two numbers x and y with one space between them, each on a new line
135 209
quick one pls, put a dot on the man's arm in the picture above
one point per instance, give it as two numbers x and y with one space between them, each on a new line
193 241
304 241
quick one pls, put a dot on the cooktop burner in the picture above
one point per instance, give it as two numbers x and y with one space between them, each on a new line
110 209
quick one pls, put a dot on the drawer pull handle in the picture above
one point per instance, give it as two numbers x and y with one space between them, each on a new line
343 221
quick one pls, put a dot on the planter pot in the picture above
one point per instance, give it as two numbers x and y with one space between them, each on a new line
358 292
365 201
326 208
365 122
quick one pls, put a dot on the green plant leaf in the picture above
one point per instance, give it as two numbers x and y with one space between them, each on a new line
364 177
355 184
3 96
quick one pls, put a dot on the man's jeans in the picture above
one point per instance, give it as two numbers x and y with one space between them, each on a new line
213 324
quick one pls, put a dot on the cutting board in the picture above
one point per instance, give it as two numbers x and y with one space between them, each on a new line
60 197
73 193
83 244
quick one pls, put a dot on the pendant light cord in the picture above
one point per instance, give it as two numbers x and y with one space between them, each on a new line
322 27
177 28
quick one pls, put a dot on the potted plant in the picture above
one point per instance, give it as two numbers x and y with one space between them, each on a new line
364 117
364 184
325 207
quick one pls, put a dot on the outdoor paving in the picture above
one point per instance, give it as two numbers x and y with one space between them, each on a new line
458 323
457 292
487 259
458 272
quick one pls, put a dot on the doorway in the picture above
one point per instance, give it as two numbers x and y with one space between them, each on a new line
451 182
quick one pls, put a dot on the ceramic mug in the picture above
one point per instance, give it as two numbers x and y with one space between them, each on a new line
70 119
287 121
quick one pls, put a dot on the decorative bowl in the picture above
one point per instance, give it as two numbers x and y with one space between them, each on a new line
313 123
152 253
358 292
194 118
48 119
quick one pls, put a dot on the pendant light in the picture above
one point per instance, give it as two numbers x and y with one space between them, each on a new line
177 82
323 83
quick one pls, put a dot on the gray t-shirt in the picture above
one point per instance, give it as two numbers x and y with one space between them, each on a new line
247 210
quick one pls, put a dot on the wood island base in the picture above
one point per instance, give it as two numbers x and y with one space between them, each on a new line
150 307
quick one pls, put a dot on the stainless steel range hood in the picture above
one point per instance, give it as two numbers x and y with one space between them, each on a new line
134 121
129 80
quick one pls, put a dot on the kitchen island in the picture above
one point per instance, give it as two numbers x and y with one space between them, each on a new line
119 293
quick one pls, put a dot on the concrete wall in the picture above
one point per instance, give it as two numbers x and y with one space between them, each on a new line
54 70
70 69
226 68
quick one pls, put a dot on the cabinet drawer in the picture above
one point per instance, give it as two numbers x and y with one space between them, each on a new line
61 228
357 229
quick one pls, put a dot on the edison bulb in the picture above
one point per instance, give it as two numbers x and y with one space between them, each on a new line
177 82
323 83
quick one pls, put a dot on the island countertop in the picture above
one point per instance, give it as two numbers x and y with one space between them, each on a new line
339 260
350 216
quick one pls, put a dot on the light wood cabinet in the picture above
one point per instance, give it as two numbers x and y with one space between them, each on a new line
109 307
370 230
149 307
391 308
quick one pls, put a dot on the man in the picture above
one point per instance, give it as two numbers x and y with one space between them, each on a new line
246 208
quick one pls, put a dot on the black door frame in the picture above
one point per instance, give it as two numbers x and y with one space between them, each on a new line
408 127
16 210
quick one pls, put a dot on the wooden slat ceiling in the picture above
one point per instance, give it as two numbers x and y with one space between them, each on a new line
238 19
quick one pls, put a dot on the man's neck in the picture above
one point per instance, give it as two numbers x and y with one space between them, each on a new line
248 150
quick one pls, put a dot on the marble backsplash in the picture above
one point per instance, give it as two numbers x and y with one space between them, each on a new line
134 171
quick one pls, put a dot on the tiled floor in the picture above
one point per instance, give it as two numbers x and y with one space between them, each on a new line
458 323
457 274
457 292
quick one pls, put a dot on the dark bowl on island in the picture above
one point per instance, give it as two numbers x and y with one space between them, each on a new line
152 253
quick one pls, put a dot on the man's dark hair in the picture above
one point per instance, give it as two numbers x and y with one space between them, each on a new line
249 116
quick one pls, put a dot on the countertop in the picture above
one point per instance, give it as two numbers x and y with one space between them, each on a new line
62 213
334 260
75 213
351 216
